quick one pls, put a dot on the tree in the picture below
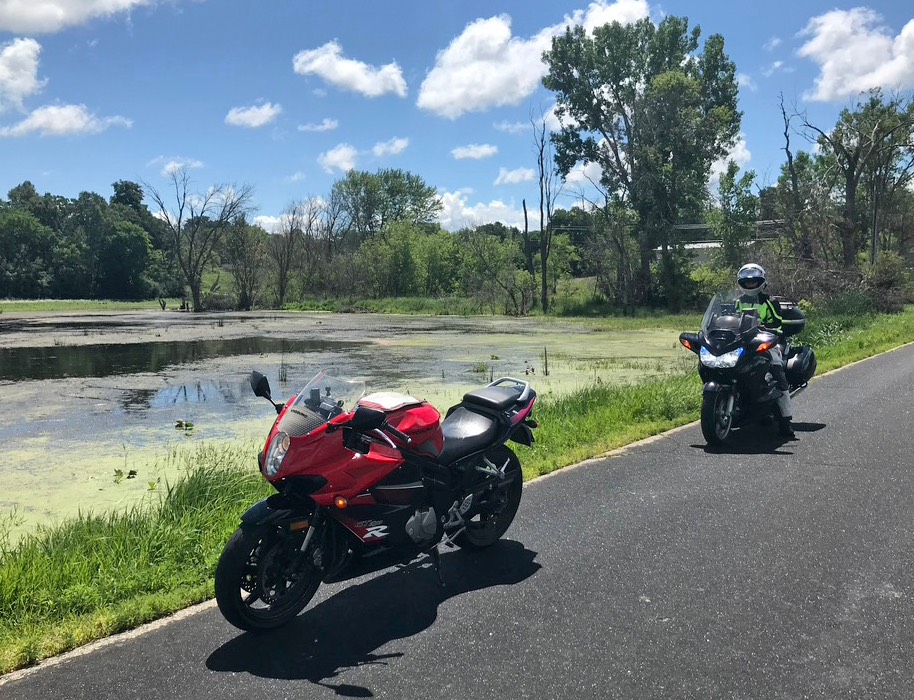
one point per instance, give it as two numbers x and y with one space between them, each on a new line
283 246
549 189
123 261
493 273
25 265
733 220
867 138
374 200
652 112
246 252
195 223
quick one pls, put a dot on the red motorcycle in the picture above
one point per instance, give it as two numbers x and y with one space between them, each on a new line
368 481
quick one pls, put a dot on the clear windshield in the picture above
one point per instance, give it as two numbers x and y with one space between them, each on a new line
722 315
329 395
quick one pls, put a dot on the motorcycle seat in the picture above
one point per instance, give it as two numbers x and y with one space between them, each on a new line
465 432
495 398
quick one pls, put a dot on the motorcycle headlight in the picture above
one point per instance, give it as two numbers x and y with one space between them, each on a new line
728 359
276 453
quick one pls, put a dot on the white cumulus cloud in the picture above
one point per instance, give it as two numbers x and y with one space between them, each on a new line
390 148
512 127
63 120
18 72
457 212
772 43
342 158
270 224
584 175
486 66
45 16
172 164
744 80
475 151
328 62
856 52
253 117
514 177
325 125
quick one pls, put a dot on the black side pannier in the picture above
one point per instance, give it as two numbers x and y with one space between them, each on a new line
801 366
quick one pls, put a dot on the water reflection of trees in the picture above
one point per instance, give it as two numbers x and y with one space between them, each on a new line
191 393
56 362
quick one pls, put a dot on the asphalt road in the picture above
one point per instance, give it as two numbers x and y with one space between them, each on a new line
768 570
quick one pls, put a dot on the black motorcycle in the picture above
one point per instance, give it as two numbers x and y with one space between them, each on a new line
734 364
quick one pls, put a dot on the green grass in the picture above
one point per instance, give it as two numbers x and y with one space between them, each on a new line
65 305
100 574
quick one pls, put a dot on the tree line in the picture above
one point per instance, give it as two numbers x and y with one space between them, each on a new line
651 105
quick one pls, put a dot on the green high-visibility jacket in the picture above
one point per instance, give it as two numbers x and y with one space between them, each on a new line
769 312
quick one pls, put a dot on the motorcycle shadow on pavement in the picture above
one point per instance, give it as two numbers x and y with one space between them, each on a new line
345 630
760 439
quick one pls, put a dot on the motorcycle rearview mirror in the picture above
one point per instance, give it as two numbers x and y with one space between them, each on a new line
260 385
366 418
261 388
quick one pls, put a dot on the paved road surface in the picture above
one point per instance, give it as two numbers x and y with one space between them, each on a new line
771 570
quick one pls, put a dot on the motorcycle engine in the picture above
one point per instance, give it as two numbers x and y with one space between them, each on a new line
421 526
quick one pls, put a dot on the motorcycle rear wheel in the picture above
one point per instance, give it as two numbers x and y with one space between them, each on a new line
715 423
262 580
498 514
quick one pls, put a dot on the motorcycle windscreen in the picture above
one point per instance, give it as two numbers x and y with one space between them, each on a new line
722 315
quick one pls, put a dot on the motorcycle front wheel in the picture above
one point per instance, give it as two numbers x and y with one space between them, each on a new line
715 421
497 510
263 580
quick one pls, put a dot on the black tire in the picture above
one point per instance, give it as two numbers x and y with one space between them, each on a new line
715 424
497 513
263 581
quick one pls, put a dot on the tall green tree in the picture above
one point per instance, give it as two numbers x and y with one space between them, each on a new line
733 219
374 200
26 269
653 112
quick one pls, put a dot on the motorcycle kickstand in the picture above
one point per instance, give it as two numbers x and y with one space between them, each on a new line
436 562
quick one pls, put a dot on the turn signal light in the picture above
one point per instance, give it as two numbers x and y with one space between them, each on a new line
765 347
686 343
340 502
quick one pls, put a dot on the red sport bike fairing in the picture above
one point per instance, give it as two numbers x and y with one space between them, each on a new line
367 481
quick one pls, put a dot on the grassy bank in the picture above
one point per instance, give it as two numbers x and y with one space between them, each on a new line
27 306
96 575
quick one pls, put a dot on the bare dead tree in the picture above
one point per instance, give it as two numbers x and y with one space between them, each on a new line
855 144
196 221
795 212
550 186
284 244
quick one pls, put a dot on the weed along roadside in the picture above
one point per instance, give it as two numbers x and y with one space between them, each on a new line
93 576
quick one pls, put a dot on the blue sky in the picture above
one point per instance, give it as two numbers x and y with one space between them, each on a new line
285 95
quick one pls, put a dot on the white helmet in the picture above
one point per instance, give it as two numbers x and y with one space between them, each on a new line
751 279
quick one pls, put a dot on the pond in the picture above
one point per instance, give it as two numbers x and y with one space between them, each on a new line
85 395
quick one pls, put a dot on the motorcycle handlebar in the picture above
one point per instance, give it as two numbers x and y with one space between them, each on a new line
402 437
